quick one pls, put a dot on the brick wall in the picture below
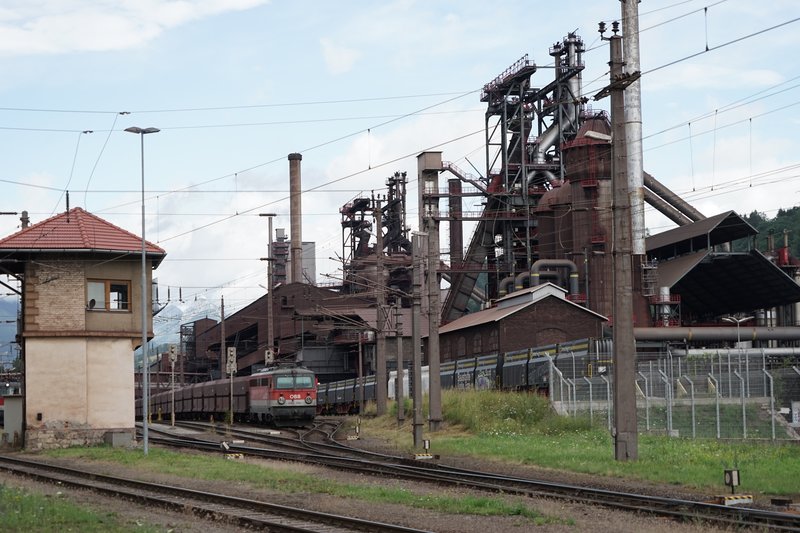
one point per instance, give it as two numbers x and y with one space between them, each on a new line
55 296
50 438
548 321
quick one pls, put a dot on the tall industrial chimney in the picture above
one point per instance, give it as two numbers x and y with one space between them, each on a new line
295 215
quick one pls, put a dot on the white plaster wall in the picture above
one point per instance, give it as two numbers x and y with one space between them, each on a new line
110 373
55 381
79 382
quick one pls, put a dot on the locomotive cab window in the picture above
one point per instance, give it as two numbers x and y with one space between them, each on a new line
284 382
304 382
108 295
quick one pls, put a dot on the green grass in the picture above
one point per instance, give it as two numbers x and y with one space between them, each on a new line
26 512
197 466
522 429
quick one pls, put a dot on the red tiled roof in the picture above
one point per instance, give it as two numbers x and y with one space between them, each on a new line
77 230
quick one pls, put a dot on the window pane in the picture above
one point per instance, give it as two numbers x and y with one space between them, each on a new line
284 382
118 296
96 295
304 382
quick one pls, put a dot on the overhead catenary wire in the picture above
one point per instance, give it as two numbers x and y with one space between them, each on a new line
345 177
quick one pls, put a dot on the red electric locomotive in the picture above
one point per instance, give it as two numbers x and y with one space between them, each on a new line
282 395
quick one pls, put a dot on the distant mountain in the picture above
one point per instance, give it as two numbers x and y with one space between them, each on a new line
167 323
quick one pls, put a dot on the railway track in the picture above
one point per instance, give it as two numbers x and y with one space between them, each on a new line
336 455
242 512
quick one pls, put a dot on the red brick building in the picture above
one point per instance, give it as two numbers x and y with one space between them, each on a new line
532 317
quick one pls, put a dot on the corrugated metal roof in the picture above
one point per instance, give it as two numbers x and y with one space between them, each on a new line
78 231
700 235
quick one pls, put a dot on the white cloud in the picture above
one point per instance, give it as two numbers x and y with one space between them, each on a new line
338 59
64 26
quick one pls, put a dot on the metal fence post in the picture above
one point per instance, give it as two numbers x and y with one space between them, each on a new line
741 395
747 373
691 391
591 412
608 399
771 401
716 398
730 376
667 399
557 373
646 402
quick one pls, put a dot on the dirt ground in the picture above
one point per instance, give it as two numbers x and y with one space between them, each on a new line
567 516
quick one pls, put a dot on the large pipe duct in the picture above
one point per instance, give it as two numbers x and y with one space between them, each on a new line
665 209
574 48
716 333
295 216
698 352
671 198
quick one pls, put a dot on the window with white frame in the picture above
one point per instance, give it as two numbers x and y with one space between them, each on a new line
108 295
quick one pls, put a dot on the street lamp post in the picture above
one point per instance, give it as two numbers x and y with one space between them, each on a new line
738 322
141 132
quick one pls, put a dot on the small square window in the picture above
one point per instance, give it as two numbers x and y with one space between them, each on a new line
108 295
119 297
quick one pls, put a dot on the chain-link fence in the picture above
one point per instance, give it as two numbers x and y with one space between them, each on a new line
723 394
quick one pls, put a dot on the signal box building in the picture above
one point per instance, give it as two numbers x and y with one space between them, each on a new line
81 320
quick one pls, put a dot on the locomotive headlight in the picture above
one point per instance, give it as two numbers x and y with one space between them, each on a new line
281 400
309 399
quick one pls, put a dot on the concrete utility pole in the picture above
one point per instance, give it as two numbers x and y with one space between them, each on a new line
625 429
270 349
398 329
399 382
222 337
429 165
381 382
434 315
633 124
416 335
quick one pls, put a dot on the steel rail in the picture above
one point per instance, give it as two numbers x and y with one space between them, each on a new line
380 464
241 511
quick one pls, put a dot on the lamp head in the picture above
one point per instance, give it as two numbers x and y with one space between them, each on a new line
141 131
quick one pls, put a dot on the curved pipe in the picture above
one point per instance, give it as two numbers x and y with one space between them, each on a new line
556 263
502 287
519 281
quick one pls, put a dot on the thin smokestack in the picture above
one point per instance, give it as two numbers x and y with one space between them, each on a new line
295 215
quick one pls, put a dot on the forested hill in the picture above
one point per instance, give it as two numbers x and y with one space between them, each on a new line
785 219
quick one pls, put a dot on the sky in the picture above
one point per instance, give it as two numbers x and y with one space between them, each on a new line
359 88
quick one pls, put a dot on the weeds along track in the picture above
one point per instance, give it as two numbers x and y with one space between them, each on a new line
251 514
317 445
